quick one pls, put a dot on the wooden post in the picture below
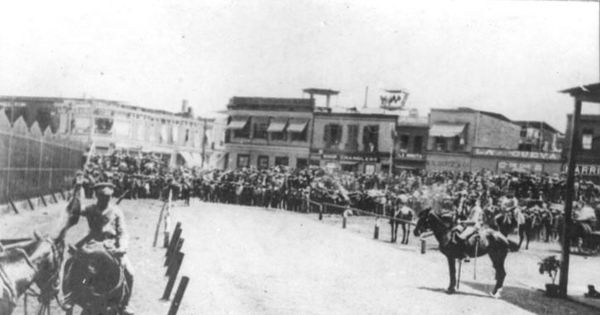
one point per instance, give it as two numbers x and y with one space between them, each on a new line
160 217
178 295
376 231
320 212
568 220
172 256
167 220
173 276
43 200
174 239
344 221
423 246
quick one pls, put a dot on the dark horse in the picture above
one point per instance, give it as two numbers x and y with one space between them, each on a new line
402 217
484 242
95 280
23 264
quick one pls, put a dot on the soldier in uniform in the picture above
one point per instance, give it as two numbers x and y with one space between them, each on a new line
107 225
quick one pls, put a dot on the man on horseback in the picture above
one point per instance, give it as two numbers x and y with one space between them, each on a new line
474 220
107 225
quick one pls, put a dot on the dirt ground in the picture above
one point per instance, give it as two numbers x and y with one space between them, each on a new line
244 260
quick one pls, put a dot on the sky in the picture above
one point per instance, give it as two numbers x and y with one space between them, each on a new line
510 57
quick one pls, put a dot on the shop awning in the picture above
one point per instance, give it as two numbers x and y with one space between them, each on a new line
277 125
238 123
446 130
297 126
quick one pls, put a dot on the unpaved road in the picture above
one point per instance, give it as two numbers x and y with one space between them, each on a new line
245 260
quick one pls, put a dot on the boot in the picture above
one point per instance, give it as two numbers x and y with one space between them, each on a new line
126 308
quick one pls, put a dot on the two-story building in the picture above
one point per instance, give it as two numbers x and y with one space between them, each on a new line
466 139
353 140
410 141
262 132
538 136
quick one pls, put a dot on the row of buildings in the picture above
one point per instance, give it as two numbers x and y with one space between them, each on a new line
262 132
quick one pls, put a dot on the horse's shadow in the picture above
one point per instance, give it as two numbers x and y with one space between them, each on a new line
441 290
529 299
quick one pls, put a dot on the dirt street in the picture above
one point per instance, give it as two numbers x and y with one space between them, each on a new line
244 260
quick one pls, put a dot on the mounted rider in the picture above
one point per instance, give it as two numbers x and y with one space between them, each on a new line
107 225
474 219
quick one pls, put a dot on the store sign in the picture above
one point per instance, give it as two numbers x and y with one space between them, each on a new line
351 157
585 169
526 167
517 154
409 156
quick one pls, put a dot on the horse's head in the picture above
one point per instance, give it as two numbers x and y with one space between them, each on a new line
44 256
423 223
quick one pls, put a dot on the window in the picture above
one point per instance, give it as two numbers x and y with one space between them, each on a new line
187 136
282 160
243 160
370 138
103 126
418 144
332 135
263 162
523 131
298 136
260 130
440 144
404 142
243 132
301 163
122 128
352 143
350 167
587 139
280 136
369 169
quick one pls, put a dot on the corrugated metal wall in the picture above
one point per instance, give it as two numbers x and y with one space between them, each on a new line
33 162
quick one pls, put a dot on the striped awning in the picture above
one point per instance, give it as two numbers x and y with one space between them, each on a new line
277 125
297 126
446 130
238 123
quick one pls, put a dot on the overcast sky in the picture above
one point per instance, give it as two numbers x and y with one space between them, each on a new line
506 56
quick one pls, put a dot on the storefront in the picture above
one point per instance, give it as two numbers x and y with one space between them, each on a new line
359 162
409 161
440 161
499 160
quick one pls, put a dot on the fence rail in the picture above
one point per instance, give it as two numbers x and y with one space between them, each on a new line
35 162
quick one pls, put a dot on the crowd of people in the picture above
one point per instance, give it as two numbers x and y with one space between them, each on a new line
539 195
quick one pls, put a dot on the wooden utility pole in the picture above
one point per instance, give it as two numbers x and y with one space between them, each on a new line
570 192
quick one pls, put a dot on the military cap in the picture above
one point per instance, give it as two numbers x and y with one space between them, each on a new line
104 188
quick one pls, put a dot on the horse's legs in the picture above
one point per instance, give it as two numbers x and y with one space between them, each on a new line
498 259
452 270
521 230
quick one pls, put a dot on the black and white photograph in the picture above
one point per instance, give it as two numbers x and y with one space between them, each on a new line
300 157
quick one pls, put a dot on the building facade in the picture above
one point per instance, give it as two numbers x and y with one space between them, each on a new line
107 125
538 136
465 139
264 132
410 142
354 141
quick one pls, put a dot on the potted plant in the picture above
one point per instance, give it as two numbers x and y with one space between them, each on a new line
550 265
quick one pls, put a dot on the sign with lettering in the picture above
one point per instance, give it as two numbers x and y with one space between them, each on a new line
551 156
585 169
409 156
351 157
448 163
527 167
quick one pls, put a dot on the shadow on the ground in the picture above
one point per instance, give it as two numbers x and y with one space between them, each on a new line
440 290
531 300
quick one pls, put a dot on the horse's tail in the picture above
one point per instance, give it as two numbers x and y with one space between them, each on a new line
513 246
